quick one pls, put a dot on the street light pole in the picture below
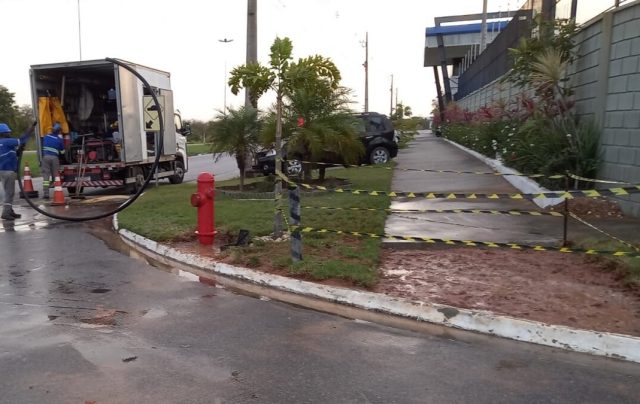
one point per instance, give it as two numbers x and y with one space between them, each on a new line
252 44
225 40
79 32
366 72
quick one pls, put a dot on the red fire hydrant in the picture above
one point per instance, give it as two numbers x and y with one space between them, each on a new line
204 201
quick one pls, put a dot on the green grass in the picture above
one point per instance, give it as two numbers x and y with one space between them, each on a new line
165 214
628 268
198 148
32 158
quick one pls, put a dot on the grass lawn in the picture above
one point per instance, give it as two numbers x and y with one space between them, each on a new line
165 214
198 148
30 157
626 268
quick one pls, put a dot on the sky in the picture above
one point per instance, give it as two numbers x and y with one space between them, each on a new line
183 38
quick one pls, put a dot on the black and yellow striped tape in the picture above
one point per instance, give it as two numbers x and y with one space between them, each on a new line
450 211
468 243
426 170
595 180
588 193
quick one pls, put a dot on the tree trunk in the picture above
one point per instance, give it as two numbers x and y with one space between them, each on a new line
321 173
277 223
306 172
241 161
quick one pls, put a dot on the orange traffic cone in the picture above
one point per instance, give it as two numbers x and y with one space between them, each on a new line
27 184
58 193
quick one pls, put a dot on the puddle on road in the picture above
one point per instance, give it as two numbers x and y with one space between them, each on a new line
103 230
100 290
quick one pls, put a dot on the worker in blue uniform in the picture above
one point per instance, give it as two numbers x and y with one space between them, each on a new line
9 148
52 149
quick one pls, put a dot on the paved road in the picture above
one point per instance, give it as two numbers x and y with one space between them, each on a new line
224 168
80 320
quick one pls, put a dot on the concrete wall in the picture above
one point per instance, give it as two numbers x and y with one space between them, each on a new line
606 81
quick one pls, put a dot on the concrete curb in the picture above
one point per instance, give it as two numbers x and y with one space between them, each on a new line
617 346
523 184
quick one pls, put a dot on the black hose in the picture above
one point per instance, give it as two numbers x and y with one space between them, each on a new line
132 199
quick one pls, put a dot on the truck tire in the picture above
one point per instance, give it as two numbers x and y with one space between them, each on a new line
72 190
179 173
137 173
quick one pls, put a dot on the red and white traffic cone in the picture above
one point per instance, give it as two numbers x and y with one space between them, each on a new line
58 193
27 184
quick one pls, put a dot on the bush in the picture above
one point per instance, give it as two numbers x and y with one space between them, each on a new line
529 143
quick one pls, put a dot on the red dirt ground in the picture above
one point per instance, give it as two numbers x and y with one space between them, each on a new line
555 288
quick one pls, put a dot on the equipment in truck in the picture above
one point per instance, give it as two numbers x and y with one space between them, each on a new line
112 129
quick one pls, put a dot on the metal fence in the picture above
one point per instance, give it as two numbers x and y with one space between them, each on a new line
494 62
585 9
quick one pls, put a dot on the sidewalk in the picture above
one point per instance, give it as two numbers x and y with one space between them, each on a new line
385 305
429 152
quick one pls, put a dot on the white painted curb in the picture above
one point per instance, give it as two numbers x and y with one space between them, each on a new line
523 184
596 343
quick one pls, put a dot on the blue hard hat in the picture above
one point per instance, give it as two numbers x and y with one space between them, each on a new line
56 126
4 128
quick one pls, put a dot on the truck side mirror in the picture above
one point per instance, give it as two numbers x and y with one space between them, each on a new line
186 129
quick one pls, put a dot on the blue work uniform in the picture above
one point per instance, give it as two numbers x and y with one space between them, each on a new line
8 155
52 148
8 170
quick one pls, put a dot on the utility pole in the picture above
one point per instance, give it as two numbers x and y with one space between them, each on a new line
366 72
252 43
396 97
483 35
79 32
391 98
225 40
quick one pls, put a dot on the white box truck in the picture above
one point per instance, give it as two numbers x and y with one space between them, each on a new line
110 123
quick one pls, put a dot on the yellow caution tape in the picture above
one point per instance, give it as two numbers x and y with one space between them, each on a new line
426 170
589 193
611 236
469 243
577 177
450 211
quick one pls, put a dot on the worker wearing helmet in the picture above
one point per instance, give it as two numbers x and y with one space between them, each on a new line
52 149
9 148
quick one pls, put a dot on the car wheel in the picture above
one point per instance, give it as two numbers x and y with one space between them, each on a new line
379 155
266 170
294 167
179 173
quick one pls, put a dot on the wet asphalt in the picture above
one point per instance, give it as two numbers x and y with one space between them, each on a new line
82 319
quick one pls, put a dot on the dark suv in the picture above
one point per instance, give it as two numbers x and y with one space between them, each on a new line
376 133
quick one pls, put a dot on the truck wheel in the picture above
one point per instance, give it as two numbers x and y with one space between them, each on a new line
72 190
138 174
179 173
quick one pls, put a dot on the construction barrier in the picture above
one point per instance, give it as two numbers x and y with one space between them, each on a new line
594 180
426 170
450 211
587 193
469 243
626 190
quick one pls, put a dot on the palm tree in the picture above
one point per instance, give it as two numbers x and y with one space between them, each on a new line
236 134
329 130
281 75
